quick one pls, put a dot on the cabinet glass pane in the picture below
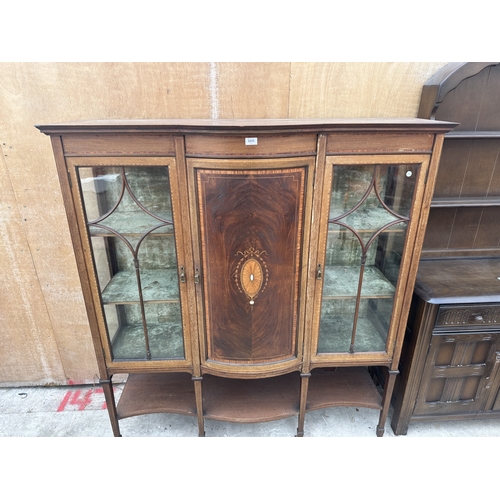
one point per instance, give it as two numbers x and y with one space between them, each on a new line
368 218
129 217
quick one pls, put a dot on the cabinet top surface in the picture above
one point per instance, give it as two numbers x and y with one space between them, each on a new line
459 281
247 125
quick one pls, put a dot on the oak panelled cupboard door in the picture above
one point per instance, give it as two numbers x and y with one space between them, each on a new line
460 370
367 233
135 258
250 253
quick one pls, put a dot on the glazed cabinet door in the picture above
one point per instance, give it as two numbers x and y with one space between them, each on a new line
366 237
250 253
132 234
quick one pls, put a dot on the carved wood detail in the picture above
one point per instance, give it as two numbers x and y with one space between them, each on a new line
468 316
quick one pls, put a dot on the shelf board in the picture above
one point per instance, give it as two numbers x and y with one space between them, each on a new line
459 280
365 220
254 400
133 224
478 201
157 393
165 342
158 286
335 335
473 134
342 387
246 400
341 282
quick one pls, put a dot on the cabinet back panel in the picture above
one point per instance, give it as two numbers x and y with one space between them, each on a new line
466 228
488 233
452 167
469 168
439 228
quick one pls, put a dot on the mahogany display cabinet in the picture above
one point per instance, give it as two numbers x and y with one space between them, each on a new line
247 270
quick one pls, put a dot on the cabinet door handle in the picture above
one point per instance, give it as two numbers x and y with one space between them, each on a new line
319 273
182 275
197 276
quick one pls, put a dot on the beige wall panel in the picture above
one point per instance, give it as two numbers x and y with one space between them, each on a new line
358 90
45 333
45 328
251 90
29 353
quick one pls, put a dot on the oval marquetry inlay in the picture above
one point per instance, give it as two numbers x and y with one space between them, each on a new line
251 277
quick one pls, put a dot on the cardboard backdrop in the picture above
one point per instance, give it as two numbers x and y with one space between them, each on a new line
45 337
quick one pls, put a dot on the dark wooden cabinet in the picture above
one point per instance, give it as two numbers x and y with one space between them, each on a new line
450 359
451 363
247 270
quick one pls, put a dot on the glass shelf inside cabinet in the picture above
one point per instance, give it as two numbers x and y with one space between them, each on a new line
369 213
129 218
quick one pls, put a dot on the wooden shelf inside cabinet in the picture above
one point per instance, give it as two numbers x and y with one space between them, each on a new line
366 220
165 341
158 285
341 282
335 334
473 134
133 224
459 280
478 201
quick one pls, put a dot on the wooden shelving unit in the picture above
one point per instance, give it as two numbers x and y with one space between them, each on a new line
450 365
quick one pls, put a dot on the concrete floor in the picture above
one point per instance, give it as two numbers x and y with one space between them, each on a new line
253 467
79 411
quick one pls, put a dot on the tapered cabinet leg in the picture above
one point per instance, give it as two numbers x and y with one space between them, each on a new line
304 386
107 386
199 405
386 400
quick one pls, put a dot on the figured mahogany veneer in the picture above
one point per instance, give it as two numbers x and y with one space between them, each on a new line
245 224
